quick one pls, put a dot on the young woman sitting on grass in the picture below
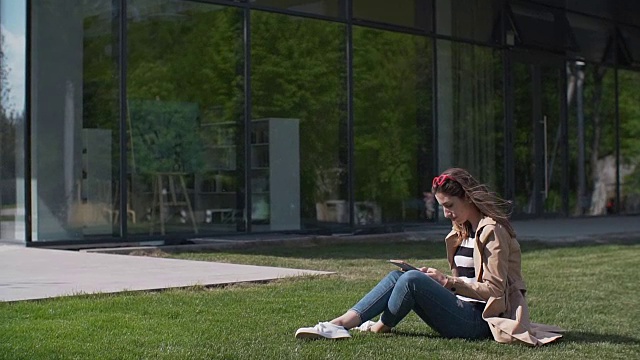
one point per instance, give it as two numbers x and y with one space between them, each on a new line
484 296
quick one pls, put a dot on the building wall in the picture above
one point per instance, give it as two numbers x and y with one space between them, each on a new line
384 98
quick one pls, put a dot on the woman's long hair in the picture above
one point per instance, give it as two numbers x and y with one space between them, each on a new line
458 182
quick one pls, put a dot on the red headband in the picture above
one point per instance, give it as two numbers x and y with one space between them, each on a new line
439 180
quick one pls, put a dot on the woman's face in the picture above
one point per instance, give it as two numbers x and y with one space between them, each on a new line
458 210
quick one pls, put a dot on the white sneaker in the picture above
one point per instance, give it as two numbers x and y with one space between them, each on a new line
366 326
325 330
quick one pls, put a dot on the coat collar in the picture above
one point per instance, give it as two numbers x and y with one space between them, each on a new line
483 222
451 240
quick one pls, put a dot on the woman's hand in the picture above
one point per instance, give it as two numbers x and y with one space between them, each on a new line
435 274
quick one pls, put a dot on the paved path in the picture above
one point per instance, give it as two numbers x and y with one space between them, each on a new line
577 229
28 273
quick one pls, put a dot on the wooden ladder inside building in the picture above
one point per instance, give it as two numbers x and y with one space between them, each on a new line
169 191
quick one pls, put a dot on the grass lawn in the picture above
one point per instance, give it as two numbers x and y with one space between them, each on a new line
592 291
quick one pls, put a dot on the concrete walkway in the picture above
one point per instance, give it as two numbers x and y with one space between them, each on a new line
29 273
599 229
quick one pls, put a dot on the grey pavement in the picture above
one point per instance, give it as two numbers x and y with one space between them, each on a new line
598 229
30 273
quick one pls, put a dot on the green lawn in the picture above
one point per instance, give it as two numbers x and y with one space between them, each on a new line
592 291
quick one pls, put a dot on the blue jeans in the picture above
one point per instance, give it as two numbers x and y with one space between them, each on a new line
400 292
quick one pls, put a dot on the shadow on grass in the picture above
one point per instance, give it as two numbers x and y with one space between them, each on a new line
569 337
417 334
590 337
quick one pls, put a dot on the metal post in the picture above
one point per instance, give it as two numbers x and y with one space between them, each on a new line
28 196
350 119
582 180
617 132
122 66
247 118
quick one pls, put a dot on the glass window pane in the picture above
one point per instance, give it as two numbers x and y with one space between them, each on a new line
413 14
185 100
593 37
299 136
629 51
332 8
392 125
591 101
523 142
552 165
620 11
541 27
624 12
12 84
629 98
477 20
75 119
537 143
470 111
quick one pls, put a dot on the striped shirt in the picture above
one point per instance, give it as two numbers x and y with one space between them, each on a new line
463 259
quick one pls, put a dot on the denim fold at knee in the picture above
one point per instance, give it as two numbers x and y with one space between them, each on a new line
375 302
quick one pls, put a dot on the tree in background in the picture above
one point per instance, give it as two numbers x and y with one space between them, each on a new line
477 119
298 71
629 110
391 90
8 126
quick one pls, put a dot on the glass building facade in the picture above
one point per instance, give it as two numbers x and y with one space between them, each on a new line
165 120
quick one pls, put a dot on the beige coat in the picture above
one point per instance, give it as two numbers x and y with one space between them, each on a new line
499 282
